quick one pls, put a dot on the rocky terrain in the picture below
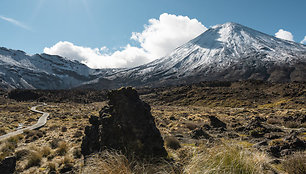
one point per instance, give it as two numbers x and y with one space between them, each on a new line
258 127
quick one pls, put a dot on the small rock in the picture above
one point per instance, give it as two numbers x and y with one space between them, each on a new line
215 122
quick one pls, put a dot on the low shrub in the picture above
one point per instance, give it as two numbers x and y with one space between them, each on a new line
291 124
172 143
64 129
22 154
191 126
55 142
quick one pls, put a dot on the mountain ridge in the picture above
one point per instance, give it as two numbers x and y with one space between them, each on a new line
225 52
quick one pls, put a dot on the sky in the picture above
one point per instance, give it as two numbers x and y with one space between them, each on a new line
127 33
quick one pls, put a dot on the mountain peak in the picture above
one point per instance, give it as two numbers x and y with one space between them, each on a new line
228 51
228 25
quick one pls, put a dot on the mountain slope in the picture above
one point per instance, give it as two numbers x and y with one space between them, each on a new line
224 52
41 71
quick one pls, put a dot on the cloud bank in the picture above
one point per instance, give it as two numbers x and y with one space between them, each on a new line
15 22
286 35
159 38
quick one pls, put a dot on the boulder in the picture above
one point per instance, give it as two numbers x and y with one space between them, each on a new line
200 133
7 166
126 125
216 123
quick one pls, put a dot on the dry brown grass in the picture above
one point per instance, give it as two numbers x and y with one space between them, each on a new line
45 151
34 159
107 163
227 158
110 162
62 148
295 164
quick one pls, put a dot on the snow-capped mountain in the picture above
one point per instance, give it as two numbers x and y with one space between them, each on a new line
42 71
224 52
227 52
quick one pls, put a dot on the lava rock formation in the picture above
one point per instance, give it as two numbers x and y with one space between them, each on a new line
127 125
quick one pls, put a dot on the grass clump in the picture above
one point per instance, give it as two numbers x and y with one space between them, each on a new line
22 154
107 163
55 142
296 164
34 159
172 143
291 124
230 159
9 146
62 148
112 162
45 151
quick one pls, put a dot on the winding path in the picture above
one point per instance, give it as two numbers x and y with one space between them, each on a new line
41 122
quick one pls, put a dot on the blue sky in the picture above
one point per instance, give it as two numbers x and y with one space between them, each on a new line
33 25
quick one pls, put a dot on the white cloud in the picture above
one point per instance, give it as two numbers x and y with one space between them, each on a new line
15 22
163 35
157 39
282 34
304 41
98 58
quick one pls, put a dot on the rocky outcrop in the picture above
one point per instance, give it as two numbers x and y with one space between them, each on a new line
7 166
125 124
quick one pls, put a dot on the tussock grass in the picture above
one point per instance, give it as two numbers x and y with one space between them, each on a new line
8 146
296 164
111 162
62 148
34 159
55 142
45 151
226 158
22 154
107 163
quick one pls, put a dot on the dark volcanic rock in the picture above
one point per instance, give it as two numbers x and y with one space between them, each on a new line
200 133
286 146
126 124
7 166
215 122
